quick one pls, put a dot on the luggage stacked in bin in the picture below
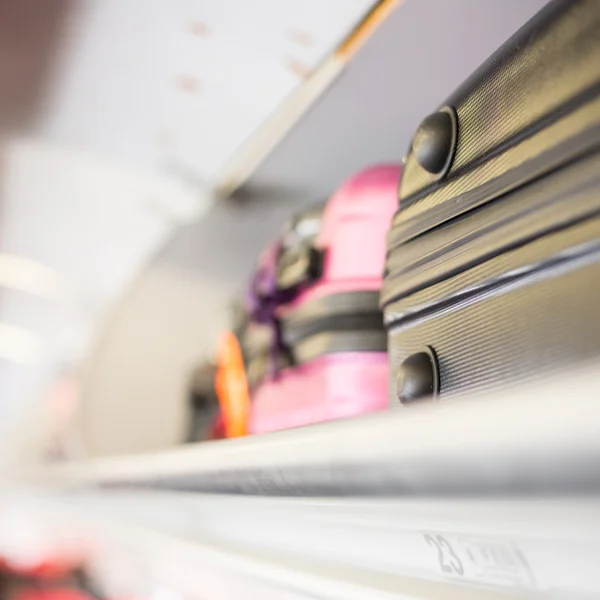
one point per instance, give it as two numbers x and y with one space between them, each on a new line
316 290
493 265
207 420
219 394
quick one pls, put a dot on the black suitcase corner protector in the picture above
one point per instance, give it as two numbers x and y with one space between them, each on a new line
518 44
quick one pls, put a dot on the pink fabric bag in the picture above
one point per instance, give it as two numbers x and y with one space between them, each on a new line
319 296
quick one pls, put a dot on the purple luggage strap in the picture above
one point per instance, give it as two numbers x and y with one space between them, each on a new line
263 300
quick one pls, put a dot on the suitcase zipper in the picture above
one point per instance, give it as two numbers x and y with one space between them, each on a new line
553 204
506 276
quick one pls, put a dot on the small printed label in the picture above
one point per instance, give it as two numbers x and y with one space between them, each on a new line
497 562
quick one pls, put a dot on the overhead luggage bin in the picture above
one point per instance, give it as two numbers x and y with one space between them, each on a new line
482 496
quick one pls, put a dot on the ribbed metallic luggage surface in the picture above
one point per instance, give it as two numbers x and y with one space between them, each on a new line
493 261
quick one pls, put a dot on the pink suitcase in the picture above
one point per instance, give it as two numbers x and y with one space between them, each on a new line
316 290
